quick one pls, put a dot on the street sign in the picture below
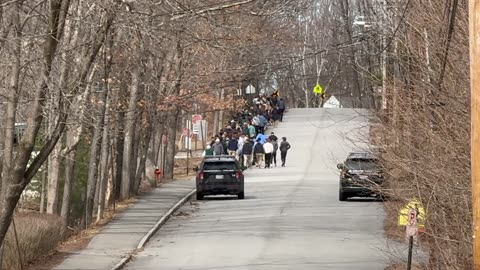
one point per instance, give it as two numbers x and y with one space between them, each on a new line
403 215
318 89
410 234
250 89
196 118
186 132
412 230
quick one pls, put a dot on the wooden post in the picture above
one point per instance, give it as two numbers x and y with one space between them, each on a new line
475 125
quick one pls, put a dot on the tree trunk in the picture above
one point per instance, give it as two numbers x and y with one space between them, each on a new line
344 4
17 177
55 104
53 174
67 186
119 143
157 149
142 155
42 190
104 165
216 119
94 156
129 135
134 158
221 120
20 176
171 146
173 115
12 95
73 137
306 91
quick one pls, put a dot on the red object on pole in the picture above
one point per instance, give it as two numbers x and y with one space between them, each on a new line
158 174
196 118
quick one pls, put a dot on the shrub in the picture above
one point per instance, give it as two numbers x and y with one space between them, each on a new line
38 235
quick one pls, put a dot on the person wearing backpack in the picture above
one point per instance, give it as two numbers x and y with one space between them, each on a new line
284 147
275 149
281 108
259 153
208 151
247 151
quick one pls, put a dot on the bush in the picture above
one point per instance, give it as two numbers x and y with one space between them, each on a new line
38 235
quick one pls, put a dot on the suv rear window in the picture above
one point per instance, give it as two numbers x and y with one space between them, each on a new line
362 164
219 166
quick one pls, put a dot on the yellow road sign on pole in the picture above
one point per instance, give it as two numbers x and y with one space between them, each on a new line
318 89
420 210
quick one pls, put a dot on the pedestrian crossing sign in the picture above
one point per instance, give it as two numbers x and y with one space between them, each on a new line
318 89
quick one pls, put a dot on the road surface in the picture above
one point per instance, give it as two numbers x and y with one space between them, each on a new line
291 217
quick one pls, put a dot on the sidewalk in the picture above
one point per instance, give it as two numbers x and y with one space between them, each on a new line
123 234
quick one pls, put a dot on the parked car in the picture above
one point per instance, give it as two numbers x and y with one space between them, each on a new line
360 176
219 175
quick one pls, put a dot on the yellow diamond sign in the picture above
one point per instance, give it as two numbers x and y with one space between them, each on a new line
318 89
403 214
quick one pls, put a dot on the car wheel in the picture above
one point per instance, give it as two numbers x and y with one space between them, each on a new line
342 196
241 195
199 196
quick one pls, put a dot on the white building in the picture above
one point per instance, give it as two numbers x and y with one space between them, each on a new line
332 102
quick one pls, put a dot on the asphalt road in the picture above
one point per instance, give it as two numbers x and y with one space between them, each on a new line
291 217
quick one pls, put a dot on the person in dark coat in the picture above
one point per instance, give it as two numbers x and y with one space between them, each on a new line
259 153
274 154
276 117
272 137
281 108
247 152
284 147
224 141
232 147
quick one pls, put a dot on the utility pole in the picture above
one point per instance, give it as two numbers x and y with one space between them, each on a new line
475 125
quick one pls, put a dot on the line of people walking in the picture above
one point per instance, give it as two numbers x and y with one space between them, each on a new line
261 152
244 136
266 151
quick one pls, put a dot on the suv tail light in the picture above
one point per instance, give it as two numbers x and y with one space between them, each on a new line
200 176
238 174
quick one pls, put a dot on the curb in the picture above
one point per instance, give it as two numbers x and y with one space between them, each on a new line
153 230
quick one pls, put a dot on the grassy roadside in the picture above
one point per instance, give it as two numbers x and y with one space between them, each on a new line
77 241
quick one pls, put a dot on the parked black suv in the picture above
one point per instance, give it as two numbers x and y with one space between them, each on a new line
360 176
219 175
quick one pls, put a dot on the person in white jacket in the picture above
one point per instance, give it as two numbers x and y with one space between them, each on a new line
241 142
268 147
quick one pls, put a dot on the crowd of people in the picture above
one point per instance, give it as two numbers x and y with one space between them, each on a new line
245 135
